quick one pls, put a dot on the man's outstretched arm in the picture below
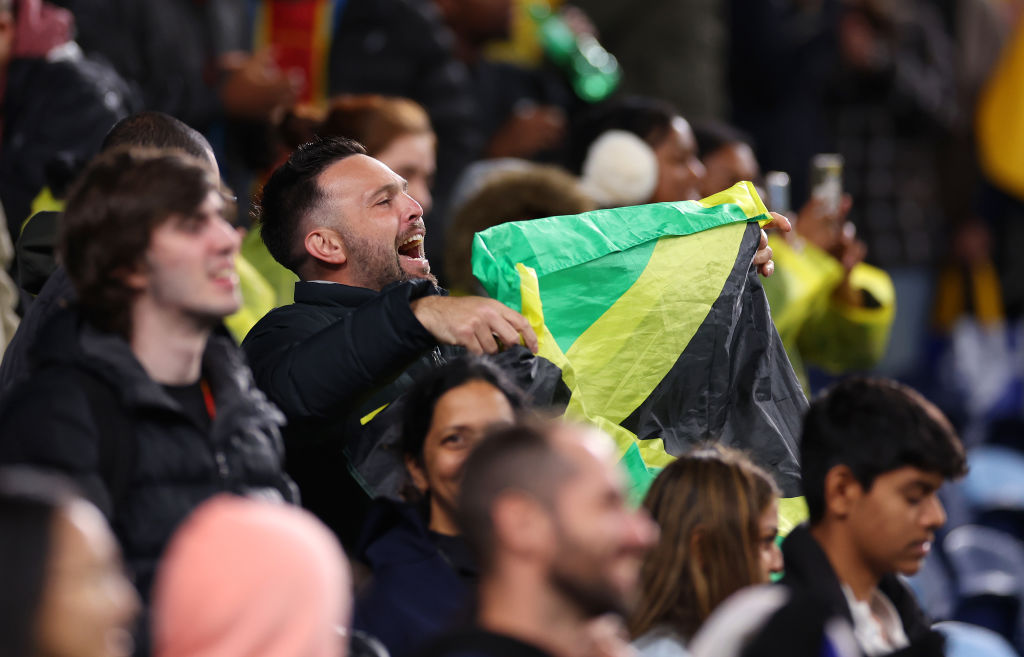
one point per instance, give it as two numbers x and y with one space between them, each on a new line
312 371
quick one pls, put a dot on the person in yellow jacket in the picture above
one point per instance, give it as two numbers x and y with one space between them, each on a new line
831 309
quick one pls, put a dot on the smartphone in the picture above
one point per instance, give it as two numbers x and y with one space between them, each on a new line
827 180
776 185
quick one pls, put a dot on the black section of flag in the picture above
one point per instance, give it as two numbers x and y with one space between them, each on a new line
733 383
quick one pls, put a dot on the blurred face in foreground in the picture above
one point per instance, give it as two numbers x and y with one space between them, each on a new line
88 605
601 540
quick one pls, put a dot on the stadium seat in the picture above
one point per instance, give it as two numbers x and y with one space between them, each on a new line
966 640
988 566
996 478
934 587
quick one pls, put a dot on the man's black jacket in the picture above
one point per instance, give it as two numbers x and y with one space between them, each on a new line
328 360
340 355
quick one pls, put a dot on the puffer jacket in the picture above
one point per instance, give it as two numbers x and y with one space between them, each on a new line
329 360
170 463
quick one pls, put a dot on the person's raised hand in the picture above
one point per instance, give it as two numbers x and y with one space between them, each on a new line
850 252
255 88
763 256
475 323
529 130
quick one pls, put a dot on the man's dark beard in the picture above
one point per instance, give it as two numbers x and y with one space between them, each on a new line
406 276
428 277
378 265
591 596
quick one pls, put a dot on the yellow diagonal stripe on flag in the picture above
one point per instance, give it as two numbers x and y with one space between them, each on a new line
627 352
653 451
743 194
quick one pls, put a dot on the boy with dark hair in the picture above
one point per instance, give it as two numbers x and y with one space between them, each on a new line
873 456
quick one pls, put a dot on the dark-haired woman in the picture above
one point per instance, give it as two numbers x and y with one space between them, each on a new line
677 171
63 591
422 574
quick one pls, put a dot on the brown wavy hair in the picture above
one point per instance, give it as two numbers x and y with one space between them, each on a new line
112 211
708 504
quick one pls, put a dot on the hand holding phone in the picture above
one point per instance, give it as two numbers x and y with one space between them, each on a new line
827 180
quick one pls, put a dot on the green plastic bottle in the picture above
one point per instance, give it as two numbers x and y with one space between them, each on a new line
593 72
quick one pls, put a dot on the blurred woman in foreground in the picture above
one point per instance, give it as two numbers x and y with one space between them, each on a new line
251 578
64 591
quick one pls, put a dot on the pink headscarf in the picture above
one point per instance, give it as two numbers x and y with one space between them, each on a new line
41 27
245 578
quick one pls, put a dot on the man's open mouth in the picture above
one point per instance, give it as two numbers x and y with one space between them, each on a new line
412 248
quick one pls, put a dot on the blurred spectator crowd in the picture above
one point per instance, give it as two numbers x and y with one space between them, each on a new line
256 362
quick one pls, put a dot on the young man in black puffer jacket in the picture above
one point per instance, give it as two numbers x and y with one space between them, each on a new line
135 393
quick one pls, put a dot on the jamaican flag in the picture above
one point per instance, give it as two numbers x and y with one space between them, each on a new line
659 324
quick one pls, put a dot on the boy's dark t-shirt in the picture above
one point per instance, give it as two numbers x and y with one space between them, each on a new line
193 402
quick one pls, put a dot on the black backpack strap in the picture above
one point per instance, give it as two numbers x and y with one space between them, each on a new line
117 447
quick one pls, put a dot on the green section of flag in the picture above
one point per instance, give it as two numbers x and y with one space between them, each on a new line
557 243
589 290
639 474
616 296
595 257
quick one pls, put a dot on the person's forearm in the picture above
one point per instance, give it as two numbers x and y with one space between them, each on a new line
324 374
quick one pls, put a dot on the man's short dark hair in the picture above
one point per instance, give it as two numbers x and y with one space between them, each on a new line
157 130
520 458
112 210
873 426
292 192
